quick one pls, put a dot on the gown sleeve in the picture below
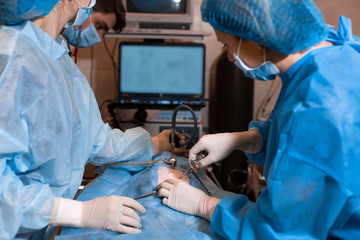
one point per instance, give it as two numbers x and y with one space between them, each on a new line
114 146
24 203
263 127
301 202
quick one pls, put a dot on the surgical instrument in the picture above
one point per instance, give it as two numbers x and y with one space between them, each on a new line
193 163
196 160
184 173
207 190
172 159
145 195
134 163
190 169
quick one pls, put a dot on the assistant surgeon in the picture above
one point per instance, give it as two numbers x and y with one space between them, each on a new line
50 127
309 145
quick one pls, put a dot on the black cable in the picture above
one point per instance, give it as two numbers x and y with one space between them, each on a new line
91 65
173 122
115 67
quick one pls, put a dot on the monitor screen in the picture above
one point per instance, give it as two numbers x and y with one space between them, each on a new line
156 6
161 73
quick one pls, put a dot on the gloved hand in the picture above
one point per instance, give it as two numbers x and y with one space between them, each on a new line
162 142
218 146
187 199
112 213
167 172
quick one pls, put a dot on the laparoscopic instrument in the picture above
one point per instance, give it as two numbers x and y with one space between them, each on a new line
189 170
193 163
172 159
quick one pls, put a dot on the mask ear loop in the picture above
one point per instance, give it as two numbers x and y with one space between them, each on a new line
77 44
78 40
264 54
262 47
78 3
238 51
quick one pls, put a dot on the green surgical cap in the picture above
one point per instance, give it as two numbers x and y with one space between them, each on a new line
285 26
16 11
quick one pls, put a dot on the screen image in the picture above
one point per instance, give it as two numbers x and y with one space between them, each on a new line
156 6
165 69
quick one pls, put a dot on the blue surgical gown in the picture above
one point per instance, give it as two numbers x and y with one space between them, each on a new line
311 153
50 127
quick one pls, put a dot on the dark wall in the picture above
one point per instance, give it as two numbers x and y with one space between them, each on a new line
231 111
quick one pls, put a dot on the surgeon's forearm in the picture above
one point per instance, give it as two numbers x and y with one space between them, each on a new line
155 141
213 202
250 141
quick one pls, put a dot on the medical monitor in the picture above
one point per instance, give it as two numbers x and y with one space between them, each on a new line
159 73
158 14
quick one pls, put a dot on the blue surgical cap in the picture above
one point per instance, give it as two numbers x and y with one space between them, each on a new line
15 11
285 26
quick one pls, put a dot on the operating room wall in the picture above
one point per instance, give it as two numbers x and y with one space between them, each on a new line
98 67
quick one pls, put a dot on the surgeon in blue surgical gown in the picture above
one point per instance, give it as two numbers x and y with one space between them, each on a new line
309 145
50 127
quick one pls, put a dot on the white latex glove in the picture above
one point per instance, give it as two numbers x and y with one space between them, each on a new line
112 213
167 172
187 199
218 146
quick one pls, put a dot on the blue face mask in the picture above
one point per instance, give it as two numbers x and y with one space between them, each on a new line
83 14
266 71
81 38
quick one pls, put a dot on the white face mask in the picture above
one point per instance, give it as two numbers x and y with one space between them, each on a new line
266 71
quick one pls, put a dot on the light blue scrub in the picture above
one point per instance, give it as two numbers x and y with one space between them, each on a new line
50 127
311 155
